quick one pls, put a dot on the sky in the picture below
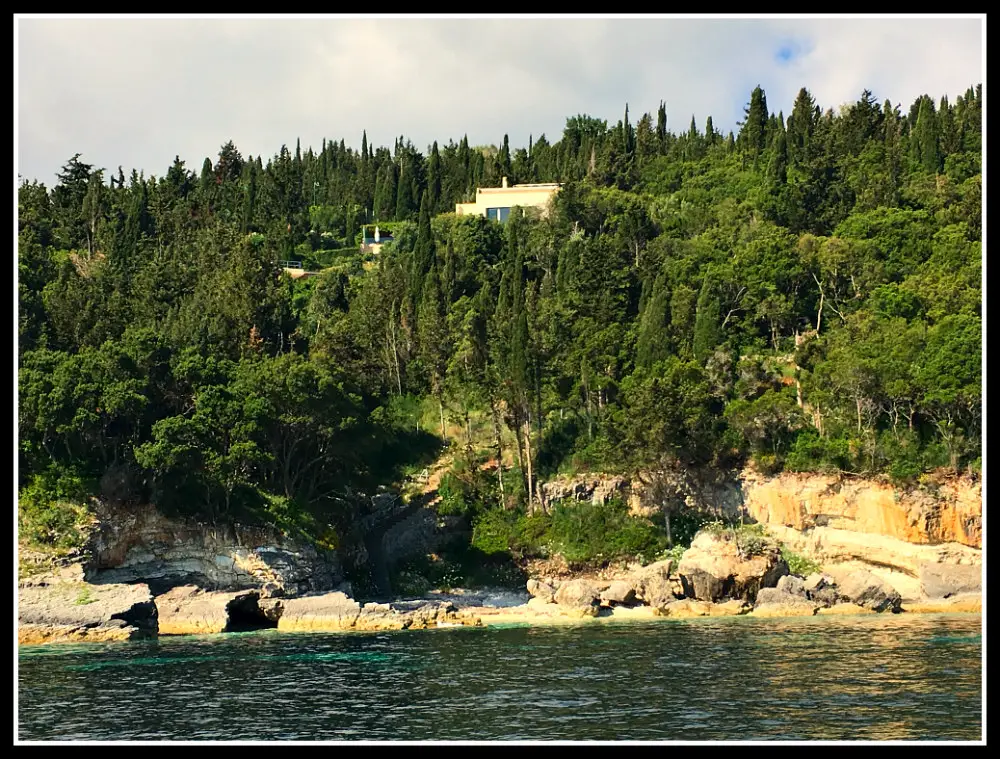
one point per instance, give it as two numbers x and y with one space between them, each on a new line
135 92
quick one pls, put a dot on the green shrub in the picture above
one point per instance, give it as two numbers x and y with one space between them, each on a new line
588 532
493 531
798 564
812 453
52 513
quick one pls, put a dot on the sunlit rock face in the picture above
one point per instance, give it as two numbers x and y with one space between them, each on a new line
941 511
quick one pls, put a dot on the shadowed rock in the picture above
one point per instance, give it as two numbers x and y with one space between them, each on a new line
653 584
775 602
865 589
541 589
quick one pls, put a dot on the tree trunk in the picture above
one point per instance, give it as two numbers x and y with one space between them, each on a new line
666 521
499 444
441 408
527 456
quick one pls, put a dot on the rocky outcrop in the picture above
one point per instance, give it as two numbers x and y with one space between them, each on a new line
37 634
332 612
959 603
828 518
829 545
188 610
81 611
687 608
595 488
142 545
717 567
945 580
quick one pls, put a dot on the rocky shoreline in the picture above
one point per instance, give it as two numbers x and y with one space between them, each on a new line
717 576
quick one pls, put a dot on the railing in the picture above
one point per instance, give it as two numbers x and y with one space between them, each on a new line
290 264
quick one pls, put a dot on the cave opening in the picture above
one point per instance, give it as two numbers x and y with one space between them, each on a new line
245 615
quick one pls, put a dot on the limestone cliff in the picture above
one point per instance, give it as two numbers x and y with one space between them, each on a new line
899 531
140 544
937 511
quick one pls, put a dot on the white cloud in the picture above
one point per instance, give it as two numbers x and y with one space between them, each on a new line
138 91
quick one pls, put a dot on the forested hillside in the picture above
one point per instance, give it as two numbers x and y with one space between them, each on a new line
805 294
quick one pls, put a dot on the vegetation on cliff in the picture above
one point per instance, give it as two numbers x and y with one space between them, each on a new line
805 293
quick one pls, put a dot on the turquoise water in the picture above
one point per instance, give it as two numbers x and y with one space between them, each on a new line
853 678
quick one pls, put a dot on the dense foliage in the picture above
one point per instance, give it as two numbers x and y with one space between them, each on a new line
805 294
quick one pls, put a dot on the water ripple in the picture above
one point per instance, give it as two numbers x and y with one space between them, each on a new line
867 678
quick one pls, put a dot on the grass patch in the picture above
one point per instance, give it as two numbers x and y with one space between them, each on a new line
83 597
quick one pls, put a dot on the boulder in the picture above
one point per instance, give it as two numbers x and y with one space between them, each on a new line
653 585
775 602
618 592
717 566
945 580
541 589
67 612
863 588
792 584
188 610
822 588
579 596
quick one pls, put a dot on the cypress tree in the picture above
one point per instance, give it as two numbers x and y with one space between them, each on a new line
924 142
753 135
423 252
707 321
653 343
434 179
661 127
